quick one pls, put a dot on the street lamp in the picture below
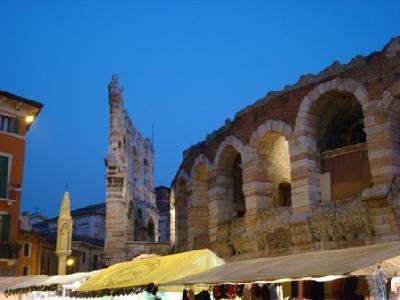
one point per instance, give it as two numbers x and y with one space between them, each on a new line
29 119
70 262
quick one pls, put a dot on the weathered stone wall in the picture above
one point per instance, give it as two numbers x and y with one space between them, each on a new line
131 212
293 116
134 249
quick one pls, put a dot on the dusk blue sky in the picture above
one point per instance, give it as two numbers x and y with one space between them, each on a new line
185 66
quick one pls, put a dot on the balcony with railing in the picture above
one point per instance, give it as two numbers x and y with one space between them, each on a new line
340 141
11 193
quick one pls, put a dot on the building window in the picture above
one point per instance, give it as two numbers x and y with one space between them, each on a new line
4 166
83 257
9 124
151 231
4 227
95 258
25 270
27 249
48 267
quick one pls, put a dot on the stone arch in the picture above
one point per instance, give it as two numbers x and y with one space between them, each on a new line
201 158
181 210
228 141
271 164
182 174
315 120
268 126
229 180
344 85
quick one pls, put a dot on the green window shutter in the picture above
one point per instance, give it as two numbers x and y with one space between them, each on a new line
3 176
5 230
14 125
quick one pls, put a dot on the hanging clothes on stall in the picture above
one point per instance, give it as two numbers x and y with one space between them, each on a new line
380 281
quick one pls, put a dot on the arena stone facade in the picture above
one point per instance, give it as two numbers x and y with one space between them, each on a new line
314 166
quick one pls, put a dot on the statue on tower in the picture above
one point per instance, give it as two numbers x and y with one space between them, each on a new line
64 234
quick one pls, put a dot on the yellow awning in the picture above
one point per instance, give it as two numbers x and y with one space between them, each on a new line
316 264
156 269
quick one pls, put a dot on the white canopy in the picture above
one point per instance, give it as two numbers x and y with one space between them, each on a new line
316 264
18 282
71 281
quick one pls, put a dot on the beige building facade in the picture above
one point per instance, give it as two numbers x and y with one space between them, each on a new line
314 166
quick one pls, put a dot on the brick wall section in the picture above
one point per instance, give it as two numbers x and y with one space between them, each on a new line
377 74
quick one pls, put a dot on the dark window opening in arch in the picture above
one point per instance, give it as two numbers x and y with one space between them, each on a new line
338 119
239 206
285 194
341 122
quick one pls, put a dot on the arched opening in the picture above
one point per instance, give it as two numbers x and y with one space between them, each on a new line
136 165
337 118
151 231
341 121
273 154
139 226
231 180
145 167
181 214
198 212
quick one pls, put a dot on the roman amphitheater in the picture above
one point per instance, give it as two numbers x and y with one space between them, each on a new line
314 166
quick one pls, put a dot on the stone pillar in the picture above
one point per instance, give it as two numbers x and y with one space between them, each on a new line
62 264
220 189
198 215
219 208
382 128
181 230
64 234
305 171
257 191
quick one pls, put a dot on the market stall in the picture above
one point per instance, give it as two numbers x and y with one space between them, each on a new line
150 273
41 286
348 274
316 264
